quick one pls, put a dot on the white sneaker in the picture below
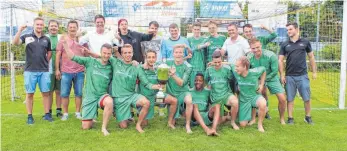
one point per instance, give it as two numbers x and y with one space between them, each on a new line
78 116
64 117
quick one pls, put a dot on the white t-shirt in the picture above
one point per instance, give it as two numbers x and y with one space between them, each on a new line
95 40
236 49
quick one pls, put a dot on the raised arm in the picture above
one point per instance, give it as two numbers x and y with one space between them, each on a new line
17 41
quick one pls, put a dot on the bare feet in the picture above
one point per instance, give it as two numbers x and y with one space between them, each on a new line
209 132
251 122
283 122
139 128
171 126
105 132
260 128
214 133
235 127
189 131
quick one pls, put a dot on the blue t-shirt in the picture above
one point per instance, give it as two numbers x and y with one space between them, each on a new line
167 47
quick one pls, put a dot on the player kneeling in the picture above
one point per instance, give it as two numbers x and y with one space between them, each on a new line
250 91
98 75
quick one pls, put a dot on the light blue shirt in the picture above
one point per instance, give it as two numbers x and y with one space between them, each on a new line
167 47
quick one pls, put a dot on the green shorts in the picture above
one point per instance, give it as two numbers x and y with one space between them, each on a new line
55 84
124 104
245 108
90 107
180 104
204 115
275 86
222 101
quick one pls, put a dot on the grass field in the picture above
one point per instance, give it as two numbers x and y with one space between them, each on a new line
328 133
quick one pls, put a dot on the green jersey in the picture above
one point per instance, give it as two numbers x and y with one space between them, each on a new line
215 43
268 59
201 98
264 40
98 77
152 78
198 59
219 81
182 71
124 78
248 85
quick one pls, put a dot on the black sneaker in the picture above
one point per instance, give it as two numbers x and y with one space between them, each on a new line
267 116
48 117
59 114
30 120
308 120
290 121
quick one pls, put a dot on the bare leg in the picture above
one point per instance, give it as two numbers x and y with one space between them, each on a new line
65 102
58 99
234 102
281 106
50 102
198 118
216 117
189 111
173 106
108 110
45 97
290 106
261 104
29 102
123 124
308 108
87 124
144 104
253 120
78 101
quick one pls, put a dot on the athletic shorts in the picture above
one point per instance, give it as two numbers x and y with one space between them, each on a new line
300 83
245 108
90 107
124 104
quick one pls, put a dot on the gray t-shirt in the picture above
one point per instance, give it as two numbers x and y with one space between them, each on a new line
154 44
36 50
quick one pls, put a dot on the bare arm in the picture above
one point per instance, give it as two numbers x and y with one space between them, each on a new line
313 64
262 82
16 40
57 63
281 68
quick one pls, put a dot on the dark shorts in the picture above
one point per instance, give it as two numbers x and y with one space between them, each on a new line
298 83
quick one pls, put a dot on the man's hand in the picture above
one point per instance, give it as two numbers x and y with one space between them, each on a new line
117 36
156 87
57 75
207 44
172 71
21 28
210 64
283 80
189 56
135 63
314 76
260 89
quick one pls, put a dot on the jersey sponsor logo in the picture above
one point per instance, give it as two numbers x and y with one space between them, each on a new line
123 73
29 40
200 102
288 46
246 83
302 45
97 72
218 80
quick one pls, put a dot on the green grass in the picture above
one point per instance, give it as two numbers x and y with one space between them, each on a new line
328 133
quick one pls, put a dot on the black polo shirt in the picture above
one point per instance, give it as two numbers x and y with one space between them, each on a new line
296 56
36 52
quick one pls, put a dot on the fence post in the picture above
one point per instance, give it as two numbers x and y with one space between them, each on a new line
317 32
342 97
13 76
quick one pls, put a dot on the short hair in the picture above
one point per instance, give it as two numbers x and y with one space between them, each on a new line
197 24
232 25
211 22
106 45
293 24
173 25
72 22
53 21
127 46
244 61
177 46
199 74
216 54
151 51
253 41
38 18
248 26
99 16
155 23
